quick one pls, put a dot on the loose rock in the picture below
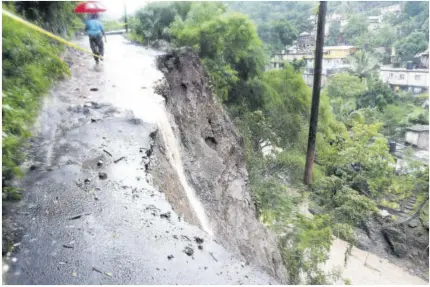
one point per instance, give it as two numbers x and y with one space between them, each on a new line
189 251
413 223
103 175
199 240
166 215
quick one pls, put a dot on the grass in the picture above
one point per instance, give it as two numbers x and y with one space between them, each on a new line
31 64
390 204
132 36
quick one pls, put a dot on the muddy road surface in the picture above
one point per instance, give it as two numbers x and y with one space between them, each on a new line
90 213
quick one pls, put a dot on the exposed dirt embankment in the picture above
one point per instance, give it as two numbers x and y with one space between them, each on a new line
214 160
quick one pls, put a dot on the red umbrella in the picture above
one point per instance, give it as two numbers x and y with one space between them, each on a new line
90 7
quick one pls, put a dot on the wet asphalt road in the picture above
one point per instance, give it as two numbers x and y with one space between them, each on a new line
80 229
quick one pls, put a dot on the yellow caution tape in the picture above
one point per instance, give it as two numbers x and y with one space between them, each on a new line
37 28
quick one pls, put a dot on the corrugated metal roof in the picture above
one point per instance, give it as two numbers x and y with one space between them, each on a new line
418 128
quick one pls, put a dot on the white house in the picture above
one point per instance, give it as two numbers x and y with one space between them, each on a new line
418 136
414 80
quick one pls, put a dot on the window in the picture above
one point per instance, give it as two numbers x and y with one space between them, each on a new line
402 76
390 75
417 77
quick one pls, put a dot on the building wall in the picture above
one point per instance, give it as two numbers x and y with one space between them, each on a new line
423 140
328 63
411 137
309 79
419 139
404 77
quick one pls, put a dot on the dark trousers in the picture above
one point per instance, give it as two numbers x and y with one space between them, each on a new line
96 43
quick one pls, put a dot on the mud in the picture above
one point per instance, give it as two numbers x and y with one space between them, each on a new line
214 158
117 234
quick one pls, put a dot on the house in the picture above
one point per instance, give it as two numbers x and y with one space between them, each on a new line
414 80
306 42
374 22
289 55
418 136
335 59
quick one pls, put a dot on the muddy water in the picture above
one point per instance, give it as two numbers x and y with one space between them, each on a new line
132 69
364 268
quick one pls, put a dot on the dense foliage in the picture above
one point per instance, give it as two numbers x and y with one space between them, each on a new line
30 65
55 16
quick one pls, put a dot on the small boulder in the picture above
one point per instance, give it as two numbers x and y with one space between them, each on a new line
413 223
198 240
103 175
189 251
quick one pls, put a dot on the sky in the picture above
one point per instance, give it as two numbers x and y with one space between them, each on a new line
115 8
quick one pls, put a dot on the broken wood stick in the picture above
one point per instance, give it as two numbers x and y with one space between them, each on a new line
121 158
78 216
108 153
213 256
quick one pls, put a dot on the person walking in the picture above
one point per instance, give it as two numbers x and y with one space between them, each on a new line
95 30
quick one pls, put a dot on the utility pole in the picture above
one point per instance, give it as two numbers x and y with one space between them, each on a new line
125 18
315 93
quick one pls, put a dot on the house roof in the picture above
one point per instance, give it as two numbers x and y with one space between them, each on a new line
304 34
338 47
426 52
418 128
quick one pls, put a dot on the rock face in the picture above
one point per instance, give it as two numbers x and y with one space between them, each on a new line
214 160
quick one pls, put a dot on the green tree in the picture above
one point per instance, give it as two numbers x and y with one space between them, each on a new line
411 45
362 64
285 31
356 28
385 36
343 90
378 94
55 16
333 34
153 21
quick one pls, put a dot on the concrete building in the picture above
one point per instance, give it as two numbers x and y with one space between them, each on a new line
374 22
335 59
413 80
306 42
289 55
308 77
418 136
